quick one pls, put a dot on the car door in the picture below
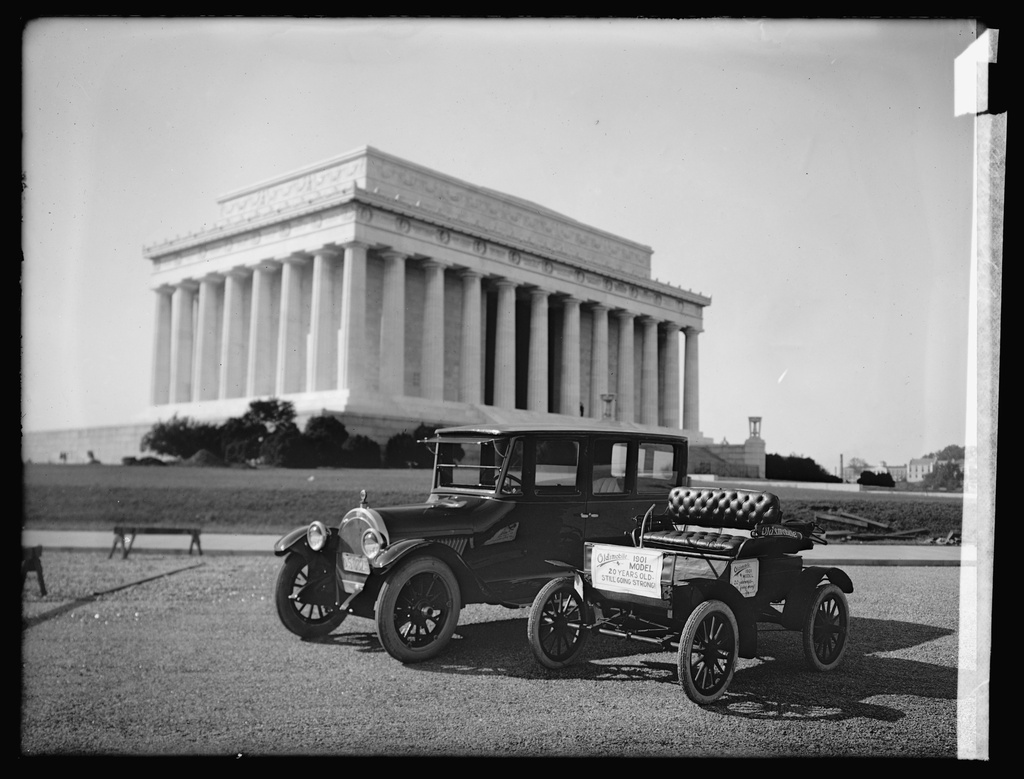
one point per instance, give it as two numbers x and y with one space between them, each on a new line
550 515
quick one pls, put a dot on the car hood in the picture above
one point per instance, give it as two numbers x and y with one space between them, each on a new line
455 515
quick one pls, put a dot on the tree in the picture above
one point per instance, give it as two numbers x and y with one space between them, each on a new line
242 438
945 476
270 413
181 437
795 468
951 452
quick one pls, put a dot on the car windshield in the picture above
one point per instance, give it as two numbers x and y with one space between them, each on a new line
468 463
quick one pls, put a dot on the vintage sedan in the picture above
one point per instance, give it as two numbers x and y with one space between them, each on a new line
509 508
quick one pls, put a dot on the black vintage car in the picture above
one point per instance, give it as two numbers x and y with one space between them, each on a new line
505 503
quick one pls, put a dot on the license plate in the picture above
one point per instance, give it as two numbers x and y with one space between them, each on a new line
355 563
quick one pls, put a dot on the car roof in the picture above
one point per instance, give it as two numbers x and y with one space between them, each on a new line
592 428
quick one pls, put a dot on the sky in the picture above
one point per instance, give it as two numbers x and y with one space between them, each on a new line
809 176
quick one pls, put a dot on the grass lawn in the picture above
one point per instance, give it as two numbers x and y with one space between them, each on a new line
275 500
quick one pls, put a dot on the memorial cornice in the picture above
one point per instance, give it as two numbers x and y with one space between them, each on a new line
452 200
358 184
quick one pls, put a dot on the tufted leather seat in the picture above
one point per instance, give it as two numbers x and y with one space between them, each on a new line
697 521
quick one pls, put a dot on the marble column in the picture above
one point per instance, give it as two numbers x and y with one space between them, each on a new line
537 380
262 332
233 335
670 399
182 335
569 389
624 409
649 373
352 331
599 361
505 346
207 353
432 356
392 325
290 370
160 387
470 360
691 408
321 350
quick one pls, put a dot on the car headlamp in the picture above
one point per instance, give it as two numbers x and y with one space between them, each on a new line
371 544
316 535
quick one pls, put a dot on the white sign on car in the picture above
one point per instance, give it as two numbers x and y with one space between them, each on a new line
631 571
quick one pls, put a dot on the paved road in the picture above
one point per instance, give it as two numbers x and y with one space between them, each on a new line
229 543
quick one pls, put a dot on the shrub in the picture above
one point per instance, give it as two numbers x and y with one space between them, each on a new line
400 451
362 452
286 447
241 439
181 437
870 479
795 468
326 436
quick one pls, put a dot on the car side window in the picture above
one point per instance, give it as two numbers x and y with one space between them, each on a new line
513 482
656 471
557 466
609 467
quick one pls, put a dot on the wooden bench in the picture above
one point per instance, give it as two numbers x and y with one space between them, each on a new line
124 536
32 560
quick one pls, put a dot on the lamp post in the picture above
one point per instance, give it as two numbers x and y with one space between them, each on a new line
608 398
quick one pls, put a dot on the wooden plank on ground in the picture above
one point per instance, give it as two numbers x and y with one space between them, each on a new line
842 520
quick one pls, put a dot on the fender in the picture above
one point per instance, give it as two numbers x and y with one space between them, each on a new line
285 543
800 597
472 588
689 595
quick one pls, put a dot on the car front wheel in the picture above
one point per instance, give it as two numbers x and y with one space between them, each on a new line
708 649
557 627
296 583
417 609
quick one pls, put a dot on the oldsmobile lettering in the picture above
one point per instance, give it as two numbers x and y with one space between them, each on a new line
636 571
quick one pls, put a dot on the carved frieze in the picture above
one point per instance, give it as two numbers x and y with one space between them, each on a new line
500 215
294 190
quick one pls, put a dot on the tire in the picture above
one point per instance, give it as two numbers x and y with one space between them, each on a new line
306 620
708 649
826 629
417 610
555 642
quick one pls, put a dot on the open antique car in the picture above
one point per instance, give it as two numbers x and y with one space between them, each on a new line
698 578
505 501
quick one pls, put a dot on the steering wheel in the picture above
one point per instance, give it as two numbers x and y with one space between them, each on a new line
517 483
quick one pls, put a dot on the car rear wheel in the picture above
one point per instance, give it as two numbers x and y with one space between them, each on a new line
299 583
418 609
557 623
826 629
708 649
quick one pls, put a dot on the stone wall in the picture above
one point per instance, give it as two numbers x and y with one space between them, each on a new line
107 444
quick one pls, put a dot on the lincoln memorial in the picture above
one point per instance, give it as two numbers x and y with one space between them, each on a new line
388 294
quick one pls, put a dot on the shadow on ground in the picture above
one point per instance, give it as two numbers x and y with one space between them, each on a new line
776 685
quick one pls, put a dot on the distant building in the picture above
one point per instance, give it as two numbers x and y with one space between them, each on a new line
374 289
919 468
898 472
